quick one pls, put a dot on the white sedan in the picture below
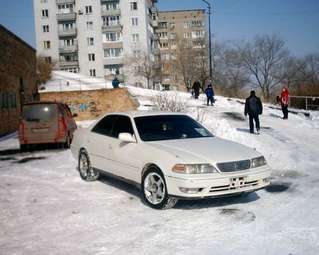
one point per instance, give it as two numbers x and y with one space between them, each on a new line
169 156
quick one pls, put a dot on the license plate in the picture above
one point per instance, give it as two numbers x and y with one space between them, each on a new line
237 182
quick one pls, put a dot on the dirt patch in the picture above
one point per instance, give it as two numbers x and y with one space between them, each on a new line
27 159
234 115
238 215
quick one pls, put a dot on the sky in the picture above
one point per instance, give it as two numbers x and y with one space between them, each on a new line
295 21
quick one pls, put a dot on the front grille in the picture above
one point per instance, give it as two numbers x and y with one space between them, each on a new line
234 166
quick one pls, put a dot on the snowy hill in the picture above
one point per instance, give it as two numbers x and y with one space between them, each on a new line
46 208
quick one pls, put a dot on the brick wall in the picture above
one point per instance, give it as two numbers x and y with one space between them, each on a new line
17 78
91 104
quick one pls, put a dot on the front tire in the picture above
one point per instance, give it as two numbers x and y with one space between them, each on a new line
154 191
87 172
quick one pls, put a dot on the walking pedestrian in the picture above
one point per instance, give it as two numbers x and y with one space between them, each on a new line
253 107
196 87
209 91
284 99
115 83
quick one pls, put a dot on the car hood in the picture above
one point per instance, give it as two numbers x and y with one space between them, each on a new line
209 149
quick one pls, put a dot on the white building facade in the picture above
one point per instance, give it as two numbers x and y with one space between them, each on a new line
95 37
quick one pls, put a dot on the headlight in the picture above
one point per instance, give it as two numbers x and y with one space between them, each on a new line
257 162
194 169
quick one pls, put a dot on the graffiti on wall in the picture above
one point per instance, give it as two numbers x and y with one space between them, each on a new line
77 107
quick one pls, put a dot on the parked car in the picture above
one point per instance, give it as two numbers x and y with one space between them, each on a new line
169 156
46 122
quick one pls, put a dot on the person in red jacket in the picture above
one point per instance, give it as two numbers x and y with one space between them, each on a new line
284 98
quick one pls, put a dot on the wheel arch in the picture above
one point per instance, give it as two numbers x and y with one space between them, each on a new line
148 166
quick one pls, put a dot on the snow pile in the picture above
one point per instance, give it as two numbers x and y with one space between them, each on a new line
66 81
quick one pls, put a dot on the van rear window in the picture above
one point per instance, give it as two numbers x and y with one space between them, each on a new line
39 112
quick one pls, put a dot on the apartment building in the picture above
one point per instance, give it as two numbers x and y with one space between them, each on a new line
95 37
174 27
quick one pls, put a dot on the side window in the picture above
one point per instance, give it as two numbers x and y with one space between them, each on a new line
105 125
122 125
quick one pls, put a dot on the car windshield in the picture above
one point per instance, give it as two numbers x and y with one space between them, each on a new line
39 112
168 127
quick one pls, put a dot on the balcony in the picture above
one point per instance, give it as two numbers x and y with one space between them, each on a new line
73 63
114 12
66 16
113 61
154 23
113 44
68 49
112 28
67 32
65 1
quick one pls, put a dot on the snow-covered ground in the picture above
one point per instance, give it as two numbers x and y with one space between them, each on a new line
66 81
45 208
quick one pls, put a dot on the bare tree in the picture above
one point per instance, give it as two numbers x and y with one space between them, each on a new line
44 69
144 66
192 61
264 58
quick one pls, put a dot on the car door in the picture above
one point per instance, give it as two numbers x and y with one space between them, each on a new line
126 155
99 142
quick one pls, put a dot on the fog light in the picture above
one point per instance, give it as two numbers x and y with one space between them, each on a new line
190 190
267 180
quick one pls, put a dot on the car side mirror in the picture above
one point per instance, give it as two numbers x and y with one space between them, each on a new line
127 138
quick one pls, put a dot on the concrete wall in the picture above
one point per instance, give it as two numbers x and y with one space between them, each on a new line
91 104
17 79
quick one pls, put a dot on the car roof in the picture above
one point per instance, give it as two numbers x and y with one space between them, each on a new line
43 102
134 114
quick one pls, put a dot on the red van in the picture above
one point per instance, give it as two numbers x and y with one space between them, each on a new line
45 123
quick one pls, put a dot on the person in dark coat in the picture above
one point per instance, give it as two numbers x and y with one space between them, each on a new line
253 107
196 87
210 94
115 83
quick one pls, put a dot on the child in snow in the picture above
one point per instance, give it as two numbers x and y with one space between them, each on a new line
210 94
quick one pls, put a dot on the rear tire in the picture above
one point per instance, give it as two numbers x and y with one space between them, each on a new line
154 191
87 172
67 143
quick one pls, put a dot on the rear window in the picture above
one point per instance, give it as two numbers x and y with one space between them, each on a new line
39 112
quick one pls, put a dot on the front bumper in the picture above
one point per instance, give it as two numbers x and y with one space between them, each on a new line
221 184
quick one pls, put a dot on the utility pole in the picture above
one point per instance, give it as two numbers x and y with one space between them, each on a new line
209 40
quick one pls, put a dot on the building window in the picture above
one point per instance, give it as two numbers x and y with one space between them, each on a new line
110 6
66 26
162 35
45 13
198 34
134 21
89 25
162 24
92 72
66 42
90 41
136 53
187 24
163 45
111 36
65 8
91 57
111 21
135 38
45 28
88 9
46 45
187 35
113 52
133 6
48 59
